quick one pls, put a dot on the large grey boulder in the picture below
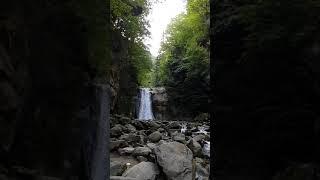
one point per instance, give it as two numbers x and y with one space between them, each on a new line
155 136
175 159
143 171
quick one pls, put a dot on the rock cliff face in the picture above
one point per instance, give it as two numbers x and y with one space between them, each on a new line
123 79
160 103
53 113
163 109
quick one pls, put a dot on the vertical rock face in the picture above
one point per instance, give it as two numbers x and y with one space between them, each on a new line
122 80
160 103
53 116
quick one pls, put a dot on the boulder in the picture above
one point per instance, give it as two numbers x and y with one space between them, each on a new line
141 158
151 146
125 151
201 172
155 136
130 128
175 159
174 125
195 148
161 130
117 168
143 171
122 178
117 130
115 144
180 138
199 137
141 151
130 137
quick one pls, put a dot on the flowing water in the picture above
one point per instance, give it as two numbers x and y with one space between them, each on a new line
145 108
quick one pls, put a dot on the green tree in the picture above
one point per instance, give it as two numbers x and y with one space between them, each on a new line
183 63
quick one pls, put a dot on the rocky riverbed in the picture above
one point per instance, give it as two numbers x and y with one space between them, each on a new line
158 150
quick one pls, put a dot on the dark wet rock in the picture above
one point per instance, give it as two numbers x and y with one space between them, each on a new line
201 171
122 178
299 172
155 136
117 130
195 147
125 151
175 159
130 137
161 130
141 158
125 120
188 132
199 137
151 146
143 171
130 128
174 125
138 124
115 144
141 151
180 138
117 168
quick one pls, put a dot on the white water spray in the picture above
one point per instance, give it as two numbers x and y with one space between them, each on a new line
145 109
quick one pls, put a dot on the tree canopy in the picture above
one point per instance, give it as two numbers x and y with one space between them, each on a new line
183 63
129 18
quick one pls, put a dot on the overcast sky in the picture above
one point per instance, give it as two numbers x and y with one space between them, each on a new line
159 17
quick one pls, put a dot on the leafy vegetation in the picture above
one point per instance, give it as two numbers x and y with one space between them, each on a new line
129 18
183 63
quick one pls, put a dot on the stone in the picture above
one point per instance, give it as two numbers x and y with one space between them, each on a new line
116 144
125 151
137 124
141 158
175 159
117 168
174 125
141 151
153 125
124 120
195 147
201 171
143 171
122 178
130 128
161 130
199 137
180 138
151 146
155 136
117 130
130 137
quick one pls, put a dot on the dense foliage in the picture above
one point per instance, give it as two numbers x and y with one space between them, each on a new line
266 85
183 63
129 17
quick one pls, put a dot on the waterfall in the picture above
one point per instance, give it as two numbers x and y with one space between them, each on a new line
145 108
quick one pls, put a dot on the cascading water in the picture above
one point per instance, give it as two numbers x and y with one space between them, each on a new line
145 108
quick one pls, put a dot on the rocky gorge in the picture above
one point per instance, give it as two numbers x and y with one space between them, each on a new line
158 150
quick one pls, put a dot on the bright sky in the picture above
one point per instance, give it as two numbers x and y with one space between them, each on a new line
159 17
